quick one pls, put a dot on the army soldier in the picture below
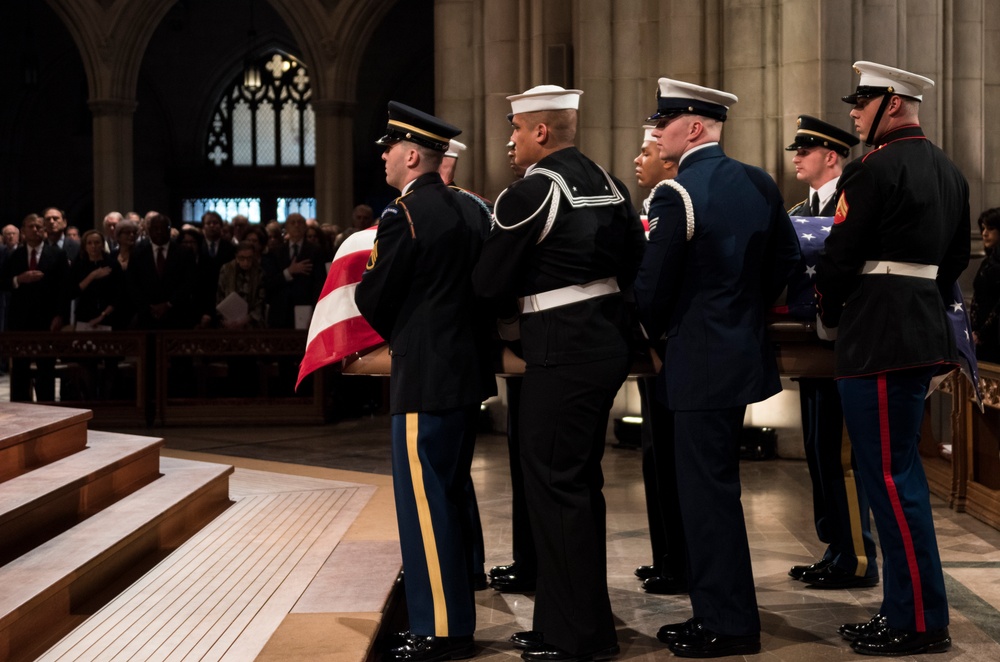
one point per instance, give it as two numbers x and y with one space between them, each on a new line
840 507
565 240
720 253
417 294
899 241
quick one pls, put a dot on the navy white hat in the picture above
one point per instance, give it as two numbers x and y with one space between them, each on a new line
455 149
812 132
647 136
879 79
676 97
544 97
416 126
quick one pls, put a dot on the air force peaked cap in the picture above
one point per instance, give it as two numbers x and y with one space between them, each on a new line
675 97
544 97
812 132
879 79
416 126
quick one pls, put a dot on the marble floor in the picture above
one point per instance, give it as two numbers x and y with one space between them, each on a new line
798 623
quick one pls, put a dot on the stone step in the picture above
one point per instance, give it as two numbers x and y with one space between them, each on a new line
41 504
45 588
34 435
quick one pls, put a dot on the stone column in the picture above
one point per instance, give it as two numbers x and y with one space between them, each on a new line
630 90
455 75
113 157
595 76
744 59
334 160
991 106
502 52
962 99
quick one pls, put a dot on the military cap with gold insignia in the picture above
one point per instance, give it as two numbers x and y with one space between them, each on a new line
676 97
812 132
408 123
878 79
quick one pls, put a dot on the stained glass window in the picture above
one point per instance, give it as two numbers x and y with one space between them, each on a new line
192 209
268 125
304 206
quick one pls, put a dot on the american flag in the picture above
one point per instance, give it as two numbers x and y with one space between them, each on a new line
800 300
962 330
337 328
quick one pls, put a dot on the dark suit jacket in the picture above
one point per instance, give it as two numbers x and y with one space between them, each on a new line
72 248
33 306
417 293
710 294
146 287
302 290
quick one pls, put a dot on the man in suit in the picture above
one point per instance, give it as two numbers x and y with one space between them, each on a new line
566 241
160 280
721 252
297 275
840 507
899 241
55 232
416 292
35 274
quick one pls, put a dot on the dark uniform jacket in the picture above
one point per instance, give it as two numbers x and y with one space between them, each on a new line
710 294
802 208
33 306
596 234
905 201
416 292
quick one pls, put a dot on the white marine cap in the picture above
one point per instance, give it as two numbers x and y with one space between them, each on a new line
676 97
648 136
879 79
544 97
455 149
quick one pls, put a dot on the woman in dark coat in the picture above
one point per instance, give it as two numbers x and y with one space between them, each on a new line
985 310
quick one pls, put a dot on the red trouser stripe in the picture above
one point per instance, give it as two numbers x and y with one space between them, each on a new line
897 507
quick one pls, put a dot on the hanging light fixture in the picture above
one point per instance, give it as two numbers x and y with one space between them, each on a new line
251 72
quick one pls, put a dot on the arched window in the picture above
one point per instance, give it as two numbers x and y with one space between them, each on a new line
271 124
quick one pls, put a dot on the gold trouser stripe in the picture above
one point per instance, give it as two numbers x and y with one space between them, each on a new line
426 528
853 506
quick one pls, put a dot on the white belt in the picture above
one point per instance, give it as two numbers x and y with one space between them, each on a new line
928 271
567 295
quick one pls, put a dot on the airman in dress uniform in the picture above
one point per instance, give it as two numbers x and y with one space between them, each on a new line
417 293
899 241
565 240
720 253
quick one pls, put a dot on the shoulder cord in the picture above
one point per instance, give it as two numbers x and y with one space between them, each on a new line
685 198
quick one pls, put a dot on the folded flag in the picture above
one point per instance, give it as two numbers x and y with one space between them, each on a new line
800 300
962 330
337 328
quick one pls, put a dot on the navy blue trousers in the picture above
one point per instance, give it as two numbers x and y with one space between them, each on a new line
431 459
883 413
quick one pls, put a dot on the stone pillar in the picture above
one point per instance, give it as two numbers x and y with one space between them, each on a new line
455 75
630 90
113 157
746 136
502 53
595 76
991 106
962 99
334 160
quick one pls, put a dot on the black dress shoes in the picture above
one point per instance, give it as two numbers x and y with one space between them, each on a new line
646 571
892 642
526 639
852 631
547 653
668 634
833 576
514 582
699 641
665 586
498 570
798 570
431 649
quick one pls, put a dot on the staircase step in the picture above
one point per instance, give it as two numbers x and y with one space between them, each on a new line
34 435
42 503
45 588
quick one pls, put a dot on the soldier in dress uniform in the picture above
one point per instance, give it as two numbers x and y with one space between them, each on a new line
721 251
840 508
899 241
668 571
565 240
417 293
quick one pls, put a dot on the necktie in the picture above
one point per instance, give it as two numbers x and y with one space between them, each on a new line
211 249
814 204
161 260
33 261
295 251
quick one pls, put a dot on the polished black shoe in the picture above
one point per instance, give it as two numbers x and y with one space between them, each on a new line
646 571
665 586
498 570
699 641
547 653
431 649
668 634
852 631
513 583
891 642
526 639
833 576
798 570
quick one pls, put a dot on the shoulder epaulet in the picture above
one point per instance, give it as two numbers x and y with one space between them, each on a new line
797 205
